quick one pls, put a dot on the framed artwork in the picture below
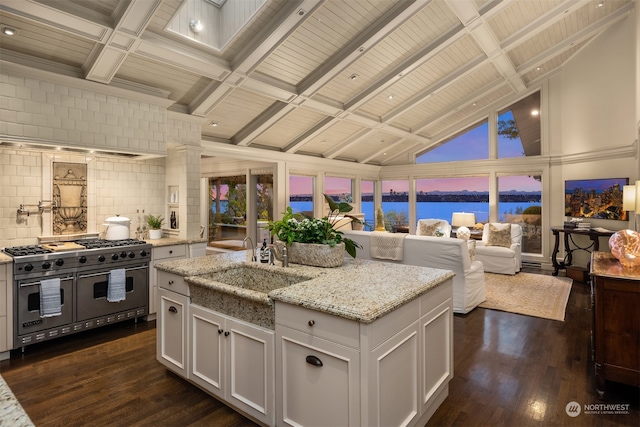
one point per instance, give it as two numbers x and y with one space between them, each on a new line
595 198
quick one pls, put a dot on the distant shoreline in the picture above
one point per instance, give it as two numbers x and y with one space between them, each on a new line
442 198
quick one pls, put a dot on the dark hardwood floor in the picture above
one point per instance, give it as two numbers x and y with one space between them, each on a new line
510 370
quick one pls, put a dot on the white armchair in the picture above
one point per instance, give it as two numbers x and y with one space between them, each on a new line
433 224
497 256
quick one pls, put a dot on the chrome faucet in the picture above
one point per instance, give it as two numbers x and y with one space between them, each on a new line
280 256
253 248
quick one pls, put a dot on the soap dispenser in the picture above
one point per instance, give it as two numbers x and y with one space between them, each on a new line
264 253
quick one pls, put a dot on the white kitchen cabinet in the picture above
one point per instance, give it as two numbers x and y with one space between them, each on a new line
318 380
172 328
393 371
159 254
6 310
234 361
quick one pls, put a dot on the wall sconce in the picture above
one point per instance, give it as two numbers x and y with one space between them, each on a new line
196 25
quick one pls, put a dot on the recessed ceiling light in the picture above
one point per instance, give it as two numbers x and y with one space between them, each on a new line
9 31
390 97
353 76
601 4
538 68
474 104
535 112
196 25
214 124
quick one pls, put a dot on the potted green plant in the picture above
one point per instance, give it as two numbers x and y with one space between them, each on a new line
155 226
295 230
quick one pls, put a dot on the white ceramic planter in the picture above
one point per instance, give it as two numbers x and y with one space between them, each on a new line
155 234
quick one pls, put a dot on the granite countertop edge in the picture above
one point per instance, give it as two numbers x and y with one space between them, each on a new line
168 241
360 290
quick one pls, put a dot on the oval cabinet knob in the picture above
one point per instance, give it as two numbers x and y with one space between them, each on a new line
226 334
312 322
220 331
171 282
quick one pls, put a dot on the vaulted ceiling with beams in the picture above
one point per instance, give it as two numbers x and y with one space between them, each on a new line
369 81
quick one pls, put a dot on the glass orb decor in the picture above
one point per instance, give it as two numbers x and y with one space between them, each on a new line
625 245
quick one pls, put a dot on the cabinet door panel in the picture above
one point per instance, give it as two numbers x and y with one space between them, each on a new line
326 395
395 373
172 332
207 350
438 350
251 370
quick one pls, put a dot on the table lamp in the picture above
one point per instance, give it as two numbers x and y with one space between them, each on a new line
463 220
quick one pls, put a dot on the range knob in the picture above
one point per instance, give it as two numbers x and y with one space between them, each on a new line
123 254
101 258
143 253
59 262
115 257
132 255
28 267
46 265
83 259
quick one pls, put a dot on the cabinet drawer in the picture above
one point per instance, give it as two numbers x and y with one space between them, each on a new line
173 251
4 300
173 283
315 323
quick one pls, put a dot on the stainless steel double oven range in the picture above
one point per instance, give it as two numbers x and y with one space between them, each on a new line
84 277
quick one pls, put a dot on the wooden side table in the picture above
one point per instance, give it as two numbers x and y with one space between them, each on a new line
616 321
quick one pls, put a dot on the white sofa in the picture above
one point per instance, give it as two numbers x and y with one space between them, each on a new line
500 259
437 252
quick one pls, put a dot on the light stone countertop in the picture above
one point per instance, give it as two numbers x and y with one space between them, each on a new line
5 259
360 290
11 412
168 241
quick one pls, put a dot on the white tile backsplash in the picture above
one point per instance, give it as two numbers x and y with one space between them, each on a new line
122 186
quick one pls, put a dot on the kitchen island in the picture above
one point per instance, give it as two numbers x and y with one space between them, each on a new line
368 343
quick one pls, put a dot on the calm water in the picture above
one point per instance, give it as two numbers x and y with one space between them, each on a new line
430 210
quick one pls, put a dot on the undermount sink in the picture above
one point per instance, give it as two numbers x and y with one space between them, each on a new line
256 279
242 291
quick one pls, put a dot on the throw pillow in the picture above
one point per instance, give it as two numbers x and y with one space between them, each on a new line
429 229
499 235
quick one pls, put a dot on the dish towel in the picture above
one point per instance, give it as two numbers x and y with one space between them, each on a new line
50 301
116 290
387 245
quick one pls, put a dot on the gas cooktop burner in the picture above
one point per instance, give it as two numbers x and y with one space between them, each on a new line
98 243
26 250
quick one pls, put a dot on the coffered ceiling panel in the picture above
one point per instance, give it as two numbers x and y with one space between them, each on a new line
567 27
182 87
439 68
329 78
287 130
44 42
422 29
517 15
234 113
449 98
326 142
369 146
328 29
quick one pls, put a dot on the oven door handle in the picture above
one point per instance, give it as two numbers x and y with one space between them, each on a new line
24 285
84 276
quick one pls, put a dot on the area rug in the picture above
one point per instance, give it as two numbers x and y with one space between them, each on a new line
530 294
